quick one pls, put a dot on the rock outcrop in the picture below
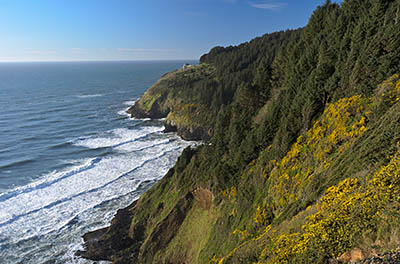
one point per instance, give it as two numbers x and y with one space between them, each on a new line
172 98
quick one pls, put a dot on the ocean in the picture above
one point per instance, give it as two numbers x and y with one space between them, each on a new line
70 156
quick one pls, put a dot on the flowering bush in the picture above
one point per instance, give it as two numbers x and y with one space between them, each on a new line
341 123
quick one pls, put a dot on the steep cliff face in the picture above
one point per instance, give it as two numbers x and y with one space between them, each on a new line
177 221
302 159
176 97
150 230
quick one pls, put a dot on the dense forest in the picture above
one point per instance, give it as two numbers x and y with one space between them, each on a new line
301 154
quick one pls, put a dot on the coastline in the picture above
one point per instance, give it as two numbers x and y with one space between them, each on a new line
77 146
302 160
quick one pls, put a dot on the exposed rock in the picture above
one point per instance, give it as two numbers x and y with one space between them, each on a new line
187 133
352 255
107 243
155 111
124 240
95 248
386 258
204 198
170 126
193 133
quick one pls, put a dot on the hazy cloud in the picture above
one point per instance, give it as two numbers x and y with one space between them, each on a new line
79 51
269 5
143 50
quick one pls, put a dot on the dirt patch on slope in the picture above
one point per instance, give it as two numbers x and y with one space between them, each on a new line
204 198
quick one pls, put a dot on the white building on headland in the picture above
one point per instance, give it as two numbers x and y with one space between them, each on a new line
185 66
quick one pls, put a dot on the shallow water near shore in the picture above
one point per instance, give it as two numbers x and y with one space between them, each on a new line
70 156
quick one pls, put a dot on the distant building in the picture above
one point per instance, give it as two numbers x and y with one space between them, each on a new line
185 66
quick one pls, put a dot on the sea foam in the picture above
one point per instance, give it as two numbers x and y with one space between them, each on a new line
60 199
117 138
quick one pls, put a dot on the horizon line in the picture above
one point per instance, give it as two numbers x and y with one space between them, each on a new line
138 60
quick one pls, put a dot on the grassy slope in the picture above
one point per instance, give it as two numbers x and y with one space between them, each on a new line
175 96
236 227
277 197
275 214
169 86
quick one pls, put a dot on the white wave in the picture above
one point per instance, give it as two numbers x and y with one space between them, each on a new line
124 112
70 257
49 209
130 103
45 179
89 95
142 145
117 137
46 217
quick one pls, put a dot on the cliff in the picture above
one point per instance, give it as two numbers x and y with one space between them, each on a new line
174 97
302 159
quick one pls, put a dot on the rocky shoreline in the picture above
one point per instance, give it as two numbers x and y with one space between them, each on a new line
189 133
386 258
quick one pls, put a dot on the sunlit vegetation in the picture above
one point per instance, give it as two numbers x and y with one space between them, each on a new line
340 124
344 213
303 163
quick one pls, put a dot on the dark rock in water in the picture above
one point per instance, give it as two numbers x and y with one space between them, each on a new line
154 113
107 243
170 127
136 111
94 249
187 133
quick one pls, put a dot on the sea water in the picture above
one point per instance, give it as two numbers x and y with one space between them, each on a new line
70 155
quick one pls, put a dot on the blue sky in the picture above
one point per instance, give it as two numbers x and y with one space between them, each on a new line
65 30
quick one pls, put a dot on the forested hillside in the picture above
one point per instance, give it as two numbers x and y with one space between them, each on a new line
191 98
301 156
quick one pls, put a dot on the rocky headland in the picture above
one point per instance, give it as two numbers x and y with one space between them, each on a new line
301 161
173 98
